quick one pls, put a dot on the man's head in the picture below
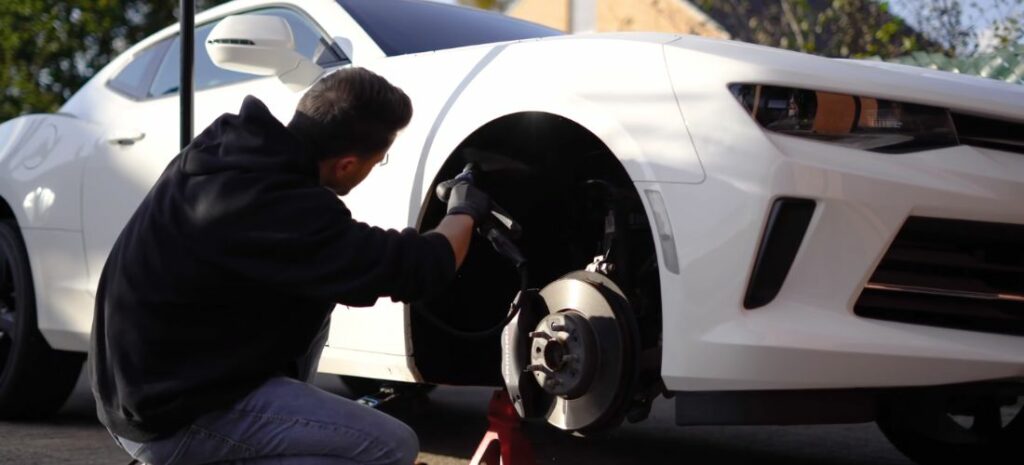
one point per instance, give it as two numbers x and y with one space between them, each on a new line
350 119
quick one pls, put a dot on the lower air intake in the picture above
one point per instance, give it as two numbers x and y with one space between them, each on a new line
951 273
787 224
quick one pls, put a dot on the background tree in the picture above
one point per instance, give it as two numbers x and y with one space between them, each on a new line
836 28
49 49
497 5
966 28
859 28
839 28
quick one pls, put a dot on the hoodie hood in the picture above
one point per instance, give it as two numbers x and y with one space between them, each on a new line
252 140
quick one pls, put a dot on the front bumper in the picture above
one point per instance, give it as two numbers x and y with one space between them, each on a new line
808 336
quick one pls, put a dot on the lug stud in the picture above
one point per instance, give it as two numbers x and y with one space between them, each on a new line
541 335
541 368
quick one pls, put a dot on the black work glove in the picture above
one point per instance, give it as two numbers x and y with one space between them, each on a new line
464 198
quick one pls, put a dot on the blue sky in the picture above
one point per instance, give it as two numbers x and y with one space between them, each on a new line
979 13
903 7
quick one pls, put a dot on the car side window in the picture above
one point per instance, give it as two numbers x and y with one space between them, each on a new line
308 41
133 78
207 74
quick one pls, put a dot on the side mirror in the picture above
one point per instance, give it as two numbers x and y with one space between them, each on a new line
261 45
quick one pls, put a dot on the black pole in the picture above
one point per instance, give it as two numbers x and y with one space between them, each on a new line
187 22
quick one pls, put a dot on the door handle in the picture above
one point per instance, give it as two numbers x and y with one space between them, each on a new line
126 138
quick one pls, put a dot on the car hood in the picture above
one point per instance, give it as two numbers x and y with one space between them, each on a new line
738 62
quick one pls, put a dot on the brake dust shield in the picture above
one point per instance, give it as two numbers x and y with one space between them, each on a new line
570 356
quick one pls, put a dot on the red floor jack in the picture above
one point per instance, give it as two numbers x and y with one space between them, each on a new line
504 443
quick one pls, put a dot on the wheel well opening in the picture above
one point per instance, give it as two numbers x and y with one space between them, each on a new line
559 181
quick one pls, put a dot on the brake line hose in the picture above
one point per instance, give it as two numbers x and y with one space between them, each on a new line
517 304
496 229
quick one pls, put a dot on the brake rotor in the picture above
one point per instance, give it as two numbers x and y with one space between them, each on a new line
581 353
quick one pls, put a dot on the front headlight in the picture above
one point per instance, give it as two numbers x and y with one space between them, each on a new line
865 123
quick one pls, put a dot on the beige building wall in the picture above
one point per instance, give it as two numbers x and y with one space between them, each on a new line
673 16
551 13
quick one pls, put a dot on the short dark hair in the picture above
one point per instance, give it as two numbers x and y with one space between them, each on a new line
351 111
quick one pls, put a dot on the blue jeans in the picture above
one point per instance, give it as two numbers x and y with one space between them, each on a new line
286 421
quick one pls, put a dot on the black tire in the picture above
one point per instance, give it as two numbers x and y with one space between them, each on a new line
986 430
35 380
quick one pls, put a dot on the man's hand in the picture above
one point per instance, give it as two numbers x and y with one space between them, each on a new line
466 205
464 198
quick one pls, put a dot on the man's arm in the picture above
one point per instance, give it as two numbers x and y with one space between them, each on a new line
306 242
458 229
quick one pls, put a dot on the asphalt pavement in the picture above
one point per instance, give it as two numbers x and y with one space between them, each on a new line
451 424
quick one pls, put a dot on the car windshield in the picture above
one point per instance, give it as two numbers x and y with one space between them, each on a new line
411 26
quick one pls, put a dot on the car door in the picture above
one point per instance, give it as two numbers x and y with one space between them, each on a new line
138 144
145 137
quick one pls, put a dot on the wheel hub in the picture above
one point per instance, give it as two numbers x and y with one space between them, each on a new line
562 355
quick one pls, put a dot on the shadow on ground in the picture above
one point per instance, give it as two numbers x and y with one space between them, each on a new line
452 422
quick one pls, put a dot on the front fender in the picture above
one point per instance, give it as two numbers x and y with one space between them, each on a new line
41 163
42 158
629 104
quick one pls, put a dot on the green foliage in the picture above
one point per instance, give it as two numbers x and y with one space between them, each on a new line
497 5
863 28
968 27
49 49
1004 64
836 28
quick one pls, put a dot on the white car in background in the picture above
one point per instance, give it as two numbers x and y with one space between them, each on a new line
770 236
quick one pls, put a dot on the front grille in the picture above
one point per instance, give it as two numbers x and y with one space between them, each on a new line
989 132
951 273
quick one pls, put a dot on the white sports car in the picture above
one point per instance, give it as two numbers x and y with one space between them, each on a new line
771 237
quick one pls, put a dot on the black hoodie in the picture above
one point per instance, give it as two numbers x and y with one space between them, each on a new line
228 269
